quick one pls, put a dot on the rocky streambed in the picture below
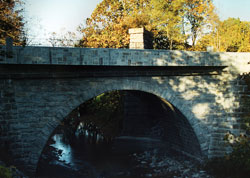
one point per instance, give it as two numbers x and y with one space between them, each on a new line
168 166
127 157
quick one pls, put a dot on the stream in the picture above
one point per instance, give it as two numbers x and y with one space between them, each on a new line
97 160
124 157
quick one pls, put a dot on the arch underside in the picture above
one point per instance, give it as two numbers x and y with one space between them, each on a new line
62 96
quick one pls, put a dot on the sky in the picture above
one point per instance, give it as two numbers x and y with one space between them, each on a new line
47 16
233 8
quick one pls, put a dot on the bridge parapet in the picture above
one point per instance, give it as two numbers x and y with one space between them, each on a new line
239 62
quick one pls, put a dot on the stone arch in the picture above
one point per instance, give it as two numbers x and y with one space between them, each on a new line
130 84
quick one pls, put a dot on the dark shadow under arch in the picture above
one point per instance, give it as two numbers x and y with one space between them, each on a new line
165 122
147 115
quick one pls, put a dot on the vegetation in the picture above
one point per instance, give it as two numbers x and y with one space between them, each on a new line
11 22
171 22
105 112
231 35
233 165
63 39
180 24
5 172
101 115
237 163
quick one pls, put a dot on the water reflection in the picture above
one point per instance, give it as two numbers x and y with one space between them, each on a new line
94 157
65 149
89 133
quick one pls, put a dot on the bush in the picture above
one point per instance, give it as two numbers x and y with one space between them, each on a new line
233 165
5 172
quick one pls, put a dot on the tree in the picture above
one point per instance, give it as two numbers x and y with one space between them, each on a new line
231 35
110 21
197 15
168 20
105 112
102 114
5 172
11 22
234 35
64 39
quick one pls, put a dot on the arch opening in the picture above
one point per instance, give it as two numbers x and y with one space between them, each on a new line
140 124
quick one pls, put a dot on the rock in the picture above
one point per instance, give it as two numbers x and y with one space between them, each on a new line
17 174
169 166
186 171
161 164
195 175
60 152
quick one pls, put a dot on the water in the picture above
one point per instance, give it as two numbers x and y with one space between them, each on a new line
66 150
98 159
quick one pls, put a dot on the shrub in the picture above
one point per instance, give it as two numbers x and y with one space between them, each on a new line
233 165
5 172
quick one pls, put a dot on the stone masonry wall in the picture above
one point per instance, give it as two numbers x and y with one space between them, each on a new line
7 114
30 109
236 62
210 105
147 115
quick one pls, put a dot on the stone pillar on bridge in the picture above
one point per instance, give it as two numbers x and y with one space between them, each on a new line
140 39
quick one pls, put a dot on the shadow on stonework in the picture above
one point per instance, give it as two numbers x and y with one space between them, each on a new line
92 141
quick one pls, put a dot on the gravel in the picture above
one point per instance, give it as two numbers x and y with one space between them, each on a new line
169 166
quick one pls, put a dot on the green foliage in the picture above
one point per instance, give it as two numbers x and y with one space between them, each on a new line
105 112
231 35
102 114
5 172
166 21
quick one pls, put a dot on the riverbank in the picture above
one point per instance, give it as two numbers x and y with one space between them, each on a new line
10 171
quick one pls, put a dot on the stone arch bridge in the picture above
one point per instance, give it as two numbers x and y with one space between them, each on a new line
40 86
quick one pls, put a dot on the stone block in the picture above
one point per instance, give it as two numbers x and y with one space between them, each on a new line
136 30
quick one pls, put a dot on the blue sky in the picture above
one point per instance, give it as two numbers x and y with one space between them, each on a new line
233 8
55 14
46 16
